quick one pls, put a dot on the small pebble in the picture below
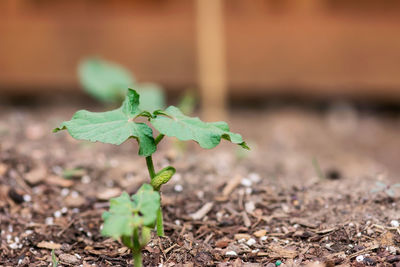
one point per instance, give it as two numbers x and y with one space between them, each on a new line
64 210
57 214
231 253
360 258
178 188
251 242
248 191
86 179
249 206
263 238
74 194
358 234
254 177
246 182
49 221
27 198
64 192
394 223
278 262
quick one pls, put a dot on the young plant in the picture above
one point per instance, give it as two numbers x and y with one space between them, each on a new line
132 218
388 189
107 82
119 125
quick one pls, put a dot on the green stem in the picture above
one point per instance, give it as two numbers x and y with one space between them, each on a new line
152 173
150 166
136 250
137 258
160 224
158 138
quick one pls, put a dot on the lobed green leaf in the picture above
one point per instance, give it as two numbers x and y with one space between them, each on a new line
126 212
113 127
172 122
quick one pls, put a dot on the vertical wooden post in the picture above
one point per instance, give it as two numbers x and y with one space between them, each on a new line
211 58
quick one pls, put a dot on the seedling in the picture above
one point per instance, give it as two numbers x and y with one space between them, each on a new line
54 259
132 218
119 125
388 189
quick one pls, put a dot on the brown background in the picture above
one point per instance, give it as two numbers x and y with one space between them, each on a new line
319 48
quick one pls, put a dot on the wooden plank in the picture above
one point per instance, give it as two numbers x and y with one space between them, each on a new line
211 58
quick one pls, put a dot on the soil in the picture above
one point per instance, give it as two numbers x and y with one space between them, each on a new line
306 194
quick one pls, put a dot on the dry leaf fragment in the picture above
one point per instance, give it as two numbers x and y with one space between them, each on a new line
48 245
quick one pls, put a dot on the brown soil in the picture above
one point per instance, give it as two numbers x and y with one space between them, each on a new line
301 196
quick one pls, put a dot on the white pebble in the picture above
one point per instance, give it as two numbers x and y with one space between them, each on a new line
360 258
394 223
13 245
248 190
86 179
28 232
255 250
251 242
263 238
254 177
78 256
64 210
27 198
178 222
49 220
57 214
246 182
178 188
74 194
64 192
392 250
358 234
231 253
249 206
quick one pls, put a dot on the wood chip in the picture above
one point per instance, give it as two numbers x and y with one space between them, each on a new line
260 233
36 176
69 259
59 181
3 169
108 193
223 243
198 215
231 185
48 245
74 201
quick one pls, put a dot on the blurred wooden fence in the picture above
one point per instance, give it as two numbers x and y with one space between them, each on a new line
309 47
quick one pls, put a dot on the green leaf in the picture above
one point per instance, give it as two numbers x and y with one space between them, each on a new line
105 81
152 96
172 122
127 213
113 127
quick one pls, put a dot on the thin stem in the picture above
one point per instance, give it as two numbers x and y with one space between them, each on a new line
150 166
160 224
137 258
136 250
158 138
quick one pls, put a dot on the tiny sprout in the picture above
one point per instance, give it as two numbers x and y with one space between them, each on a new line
388 189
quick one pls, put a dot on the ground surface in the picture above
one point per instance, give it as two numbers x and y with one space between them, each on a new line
301 196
